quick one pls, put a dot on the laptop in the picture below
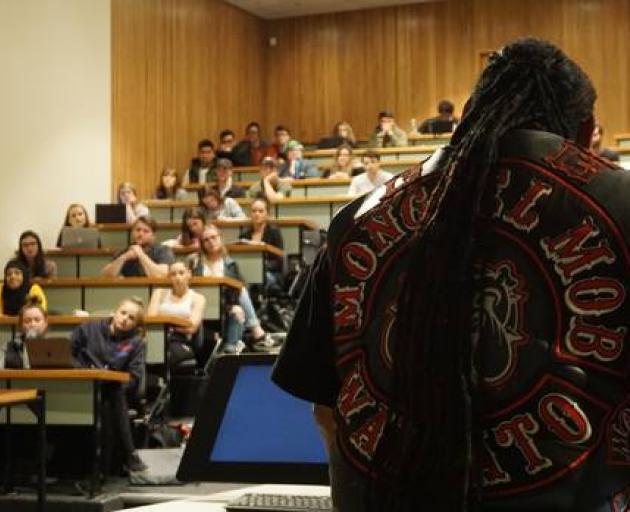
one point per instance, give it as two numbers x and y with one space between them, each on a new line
83 238
49 353
249 430
111 214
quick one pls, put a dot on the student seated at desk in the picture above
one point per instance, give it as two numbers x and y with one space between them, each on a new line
31 254
344 166
264 232
32 323
445 122
252 149
387 134
17 289
202 167
170 186
181 301
227 139
76 217
296 166
116 343
217 207
372 178
342 134
193 224
128 196
144 257
270 185
224 180
213 260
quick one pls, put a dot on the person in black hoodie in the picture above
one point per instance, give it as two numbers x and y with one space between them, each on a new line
116 343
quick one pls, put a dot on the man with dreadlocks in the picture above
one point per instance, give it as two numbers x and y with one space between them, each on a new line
467 321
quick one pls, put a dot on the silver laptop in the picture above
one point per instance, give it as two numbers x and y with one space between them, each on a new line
83 238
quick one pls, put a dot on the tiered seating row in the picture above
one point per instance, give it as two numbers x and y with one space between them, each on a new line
89 262
317 210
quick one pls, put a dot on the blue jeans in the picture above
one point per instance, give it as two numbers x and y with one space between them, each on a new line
234 329
245 301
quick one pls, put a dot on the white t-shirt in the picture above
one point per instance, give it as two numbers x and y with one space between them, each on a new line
362 184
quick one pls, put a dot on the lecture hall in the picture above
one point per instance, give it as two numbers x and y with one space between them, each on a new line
310 255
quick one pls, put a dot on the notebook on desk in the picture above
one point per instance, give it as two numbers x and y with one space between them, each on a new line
49 353
249 430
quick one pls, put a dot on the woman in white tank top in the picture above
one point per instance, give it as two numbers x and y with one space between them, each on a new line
180 301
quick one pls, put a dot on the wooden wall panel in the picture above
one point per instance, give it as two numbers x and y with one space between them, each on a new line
351 65
182 70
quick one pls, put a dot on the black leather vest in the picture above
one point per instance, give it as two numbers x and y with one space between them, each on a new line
551 319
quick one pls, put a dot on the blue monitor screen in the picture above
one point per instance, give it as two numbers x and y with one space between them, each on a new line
262 423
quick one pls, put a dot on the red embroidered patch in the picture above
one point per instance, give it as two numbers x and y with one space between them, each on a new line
576 163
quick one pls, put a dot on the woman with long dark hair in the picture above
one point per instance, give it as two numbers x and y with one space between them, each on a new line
31 253
170 186
217 207
193 225
263 231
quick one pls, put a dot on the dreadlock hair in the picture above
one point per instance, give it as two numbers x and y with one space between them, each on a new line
528 84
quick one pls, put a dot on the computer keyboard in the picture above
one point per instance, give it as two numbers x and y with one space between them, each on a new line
280 503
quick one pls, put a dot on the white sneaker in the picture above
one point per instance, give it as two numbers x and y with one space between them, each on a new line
236 348
263 345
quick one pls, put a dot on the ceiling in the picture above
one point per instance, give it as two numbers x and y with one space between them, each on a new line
273 9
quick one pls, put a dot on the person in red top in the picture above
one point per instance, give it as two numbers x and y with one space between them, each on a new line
463 334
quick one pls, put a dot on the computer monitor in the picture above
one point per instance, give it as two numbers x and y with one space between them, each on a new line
111 213
249 430
441 126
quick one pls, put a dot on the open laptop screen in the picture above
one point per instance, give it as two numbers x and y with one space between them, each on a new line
249 430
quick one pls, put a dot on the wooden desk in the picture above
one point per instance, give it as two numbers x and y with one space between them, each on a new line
99 295
36 402
318 210
323 158
429 139
73 397
622 140
309 187
249 257
117 235
62 325
624 155
395 166
16 396
89 262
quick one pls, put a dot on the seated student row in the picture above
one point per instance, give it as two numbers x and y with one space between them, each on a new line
116 343
146 258
276 176
252 149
